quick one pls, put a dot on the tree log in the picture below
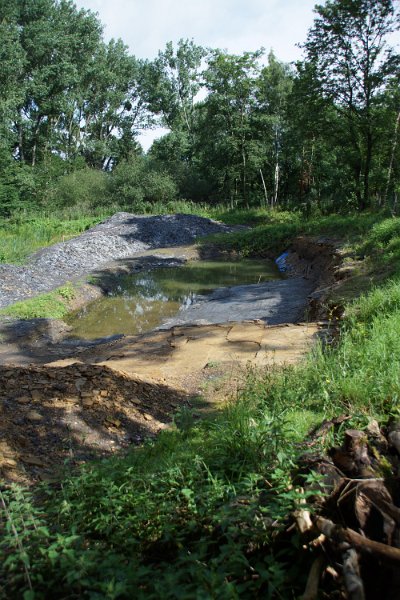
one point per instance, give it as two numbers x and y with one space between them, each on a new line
339 534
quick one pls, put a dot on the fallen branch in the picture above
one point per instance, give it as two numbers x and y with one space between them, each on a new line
339 534
351 574
314 576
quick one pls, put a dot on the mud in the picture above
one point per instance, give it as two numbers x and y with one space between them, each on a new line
83 400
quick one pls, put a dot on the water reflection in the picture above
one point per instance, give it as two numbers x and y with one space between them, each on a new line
141 302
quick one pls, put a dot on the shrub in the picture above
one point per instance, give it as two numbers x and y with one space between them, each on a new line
85 187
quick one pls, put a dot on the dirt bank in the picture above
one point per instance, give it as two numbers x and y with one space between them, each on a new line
95 401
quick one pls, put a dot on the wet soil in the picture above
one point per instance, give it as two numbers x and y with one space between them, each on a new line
72 400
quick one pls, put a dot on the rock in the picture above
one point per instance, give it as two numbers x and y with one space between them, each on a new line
80 382
34 416
111 422
87 402
8 462
23 399
33 460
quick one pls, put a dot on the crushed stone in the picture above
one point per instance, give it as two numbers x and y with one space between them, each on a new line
120 236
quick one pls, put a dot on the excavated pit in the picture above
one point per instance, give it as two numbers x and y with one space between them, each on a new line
96 401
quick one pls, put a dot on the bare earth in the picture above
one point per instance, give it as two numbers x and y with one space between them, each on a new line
72 404
108 399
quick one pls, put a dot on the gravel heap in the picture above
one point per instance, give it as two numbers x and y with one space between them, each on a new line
122 235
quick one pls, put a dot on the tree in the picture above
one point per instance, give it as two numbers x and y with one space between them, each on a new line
271 115
172 83
225 128
349 56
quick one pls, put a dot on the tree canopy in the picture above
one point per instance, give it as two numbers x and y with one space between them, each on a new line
245 129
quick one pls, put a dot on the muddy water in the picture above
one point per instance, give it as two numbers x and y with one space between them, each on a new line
139 303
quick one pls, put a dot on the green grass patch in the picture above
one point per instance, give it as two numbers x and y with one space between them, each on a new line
53 305
19 238
279 229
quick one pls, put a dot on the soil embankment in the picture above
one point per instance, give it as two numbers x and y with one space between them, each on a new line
90 401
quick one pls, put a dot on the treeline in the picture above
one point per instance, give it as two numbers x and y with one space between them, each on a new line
322 134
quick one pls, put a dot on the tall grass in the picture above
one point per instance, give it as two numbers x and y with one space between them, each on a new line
19 239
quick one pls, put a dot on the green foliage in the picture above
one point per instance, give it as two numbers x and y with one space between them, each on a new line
54 305
22 235
186 506
280 228
136 185
86 188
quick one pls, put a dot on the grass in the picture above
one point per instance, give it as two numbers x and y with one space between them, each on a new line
194 513
53 305
21 237
23 234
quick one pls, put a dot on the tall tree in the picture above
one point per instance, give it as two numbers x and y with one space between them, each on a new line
352 62
225 133
273 90
173 81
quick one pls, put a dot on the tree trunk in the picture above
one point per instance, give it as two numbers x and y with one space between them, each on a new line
367 170
265 188
394 145
35 135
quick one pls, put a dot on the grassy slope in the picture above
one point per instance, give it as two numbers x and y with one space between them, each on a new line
189 515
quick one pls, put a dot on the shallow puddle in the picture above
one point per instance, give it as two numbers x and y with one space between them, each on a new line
141 302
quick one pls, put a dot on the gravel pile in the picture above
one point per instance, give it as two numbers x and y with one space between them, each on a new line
121 236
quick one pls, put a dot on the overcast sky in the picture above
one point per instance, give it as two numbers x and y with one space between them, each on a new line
236 25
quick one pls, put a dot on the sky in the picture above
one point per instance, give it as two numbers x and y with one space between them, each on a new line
233 25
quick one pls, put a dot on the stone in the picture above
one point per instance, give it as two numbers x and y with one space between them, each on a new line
23 399
110 421
80 382
87 402
35 461
104 393
34 416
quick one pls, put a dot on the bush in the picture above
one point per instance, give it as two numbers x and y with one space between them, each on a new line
159 187
85 187
134 183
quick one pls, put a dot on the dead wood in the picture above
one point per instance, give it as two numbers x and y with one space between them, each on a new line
394 435
339 535
315 435
351 575
314 576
